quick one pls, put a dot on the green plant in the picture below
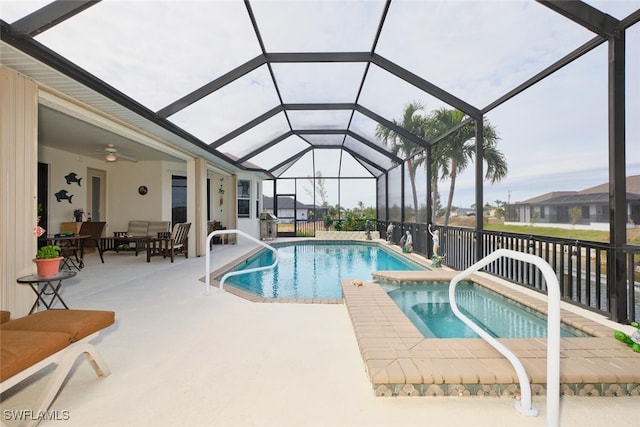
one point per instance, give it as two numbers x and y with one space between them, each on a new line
328 222
47 252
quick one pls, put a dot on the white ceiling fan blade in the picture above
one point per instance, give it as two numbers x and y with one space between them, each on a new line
126 157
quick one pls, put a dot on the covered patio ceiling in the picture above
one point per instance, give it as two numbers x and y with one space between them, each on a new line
284 86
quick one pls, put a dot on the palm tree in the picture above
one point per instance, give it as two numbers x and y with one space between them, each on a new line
439 169
414 122
455 151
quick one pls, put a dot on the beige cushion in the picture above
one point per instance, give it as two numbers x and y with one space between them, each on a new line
77 324
138 228
156 227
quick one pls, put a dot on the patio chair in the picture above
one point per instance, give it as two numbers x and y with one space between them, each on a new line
95 230
170 244
214 226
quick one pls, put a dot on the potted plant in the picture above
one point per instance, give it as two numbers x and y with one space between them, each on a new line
47 260
77 214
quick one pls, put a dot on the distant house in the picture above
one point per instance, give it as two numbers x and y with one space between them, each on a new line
591 206
287 210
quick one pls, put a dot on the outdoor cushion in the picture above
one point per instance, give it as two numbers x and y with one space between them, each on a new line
76 323
156 227
138 228
22 349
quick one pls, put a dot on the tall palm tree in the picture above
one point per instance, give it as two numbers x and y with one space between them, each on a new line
439 169
458 150
415 122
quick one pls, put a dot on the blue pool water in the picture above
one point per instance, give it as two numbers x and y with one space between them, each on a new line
315 269
427 306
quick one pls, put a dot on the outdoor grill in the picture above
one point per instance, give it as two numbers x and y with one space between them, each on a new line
268 227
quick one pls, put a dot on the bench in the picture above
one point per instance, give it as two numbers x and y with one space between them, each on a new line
31 343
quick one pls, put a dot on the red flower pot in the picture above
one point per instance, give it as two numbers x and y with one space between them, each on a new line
48 266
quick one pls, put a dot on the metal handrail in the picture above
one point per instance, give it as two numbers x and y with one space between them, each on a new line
525 405
233 273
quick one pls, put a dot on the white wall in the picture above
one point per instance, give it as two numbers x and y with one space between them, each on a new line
61 163
221 203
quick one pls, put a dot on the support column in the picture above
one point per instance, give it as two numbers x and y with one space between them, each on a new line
200 221
616 268
479 186
19 183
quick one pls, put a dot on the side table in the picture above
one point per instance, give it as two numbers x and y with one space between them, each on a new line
47 282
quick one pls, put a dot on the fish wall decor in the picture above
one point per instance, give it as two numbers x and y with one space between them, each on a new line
63 195
73 177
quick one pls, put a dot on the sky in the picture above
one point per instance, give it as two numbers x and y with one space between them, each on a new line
554 135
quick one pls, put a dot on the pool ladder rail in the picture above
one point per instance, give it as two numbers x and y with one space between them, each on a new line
207 272
525 405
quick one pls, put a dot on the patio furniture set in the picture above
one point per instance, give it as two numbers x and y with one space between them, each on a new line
153 237
150 236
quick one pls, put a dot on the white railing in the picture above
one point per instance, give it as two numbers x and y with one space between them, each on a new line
525 405
207 272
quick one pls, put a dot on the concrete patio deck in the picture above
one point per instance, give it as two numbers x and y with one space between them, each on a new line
179 357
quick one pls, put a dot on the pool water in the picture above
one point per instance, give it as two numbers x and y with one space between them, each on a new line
315 269
427 306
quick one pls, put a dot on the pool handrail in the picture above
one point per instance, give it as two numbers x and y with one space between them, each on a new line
233 273
525 405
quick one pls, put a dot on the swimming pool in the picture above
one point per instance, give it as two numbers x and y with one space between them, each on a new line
314 269
428 308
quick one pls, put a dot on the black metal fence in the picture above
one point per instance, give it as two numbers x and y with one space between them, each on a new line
581 266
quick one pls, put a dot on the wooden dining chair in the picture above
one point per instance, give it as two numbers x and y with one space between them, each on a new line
94 229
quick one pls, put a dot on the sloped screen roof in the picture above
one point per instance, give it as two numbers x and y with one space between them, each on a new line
270 82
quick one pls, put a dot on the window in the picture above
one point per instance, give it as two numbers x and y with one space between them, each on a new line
244 198
258 193
208 199
178 199
585 212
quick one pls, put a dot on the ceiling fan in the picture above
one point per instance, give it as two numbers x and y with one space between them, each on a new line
111 154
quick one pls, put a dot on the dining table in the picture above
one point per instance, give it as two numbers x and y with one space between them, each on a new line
71 248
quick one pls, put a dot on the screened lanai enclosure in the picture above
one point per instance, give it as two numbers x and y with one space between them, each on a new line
458 114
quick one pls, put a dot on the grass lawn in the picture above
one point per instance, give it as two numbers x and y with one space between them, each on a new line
633 235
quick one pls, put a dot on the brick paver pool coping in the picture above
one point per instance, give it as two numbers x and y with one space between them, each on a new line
401 362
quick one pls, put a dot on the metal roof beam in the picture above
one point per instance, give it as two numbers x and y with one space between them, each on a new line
360 158
587 47
585 15
370 144
48 16
389 124
424 85
320 106
212 86
245 127
266 146
318 57
292 159
352 134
